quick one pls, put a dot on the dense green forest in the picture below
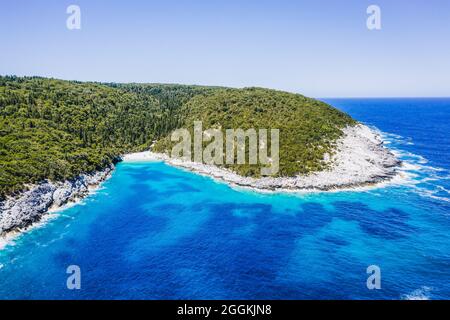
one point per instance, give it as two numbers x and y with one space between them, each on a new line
55 129
308 127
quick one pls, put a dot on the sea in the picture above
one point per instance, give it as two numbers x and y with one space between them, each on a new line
157 232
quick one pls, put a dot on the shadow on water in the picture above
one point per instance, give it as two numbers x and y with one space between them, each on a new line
165 235
389 224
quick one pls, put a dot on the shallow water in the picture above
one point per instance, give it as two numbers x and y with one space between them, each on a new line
153 231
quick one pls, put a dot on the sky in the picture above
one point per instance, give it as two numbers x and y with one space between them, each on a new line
320 48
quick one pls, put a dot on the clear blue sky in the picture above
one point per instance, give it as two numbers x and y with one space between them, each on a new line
320 48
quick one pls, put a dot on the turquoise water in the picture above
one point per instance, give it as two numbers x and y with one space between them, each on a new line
157 232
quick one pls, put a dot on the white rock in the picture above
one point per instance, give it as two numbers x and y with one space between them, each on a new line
360 159
21 211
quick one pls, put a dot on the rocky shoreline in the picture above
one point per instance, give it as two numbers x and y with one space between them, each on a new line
360 160
18 213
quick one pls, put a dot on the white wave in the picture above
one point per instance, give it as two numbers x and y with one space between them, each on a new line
410 156
396 138
6 241
439 198
415 169
431 194
64 207
10 238
422 293
388 135
414 162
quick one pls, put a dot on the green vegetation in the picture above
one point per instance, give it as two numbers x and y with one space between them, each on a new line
54 129
308 128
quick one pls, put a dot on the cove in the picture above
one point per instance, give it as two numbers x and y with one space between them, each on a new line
157 232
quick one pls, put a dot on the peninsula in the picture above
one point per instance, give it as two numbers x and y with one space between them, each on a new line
60 138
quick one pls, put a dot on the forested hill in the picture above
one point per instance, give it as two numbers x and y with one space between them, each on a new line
55 129
308 127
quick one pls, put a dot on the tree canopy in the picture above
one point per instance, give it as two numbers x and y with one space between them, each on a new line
54 129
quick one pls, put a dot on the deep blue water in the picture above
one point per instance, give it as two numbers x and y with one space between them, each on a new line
156 232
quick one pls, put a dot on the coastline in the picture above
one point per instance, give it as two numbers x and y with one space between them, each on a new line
20 213
360 160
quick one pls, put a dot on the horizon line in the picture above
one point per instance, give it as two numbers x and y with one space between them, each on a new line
231 87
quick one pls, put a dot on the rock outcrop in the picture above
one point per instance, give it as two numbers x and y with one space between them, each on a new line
29 207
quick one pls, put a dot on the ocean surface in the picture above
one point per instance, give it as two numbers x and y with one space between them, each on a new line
156 232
